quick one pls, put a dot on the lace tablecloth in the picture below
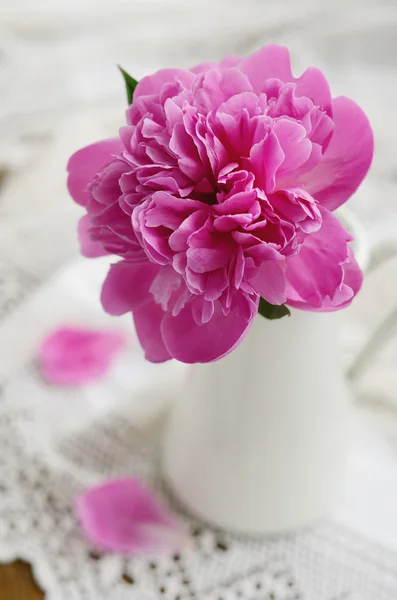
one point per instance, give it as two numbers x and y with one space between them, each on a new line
55 442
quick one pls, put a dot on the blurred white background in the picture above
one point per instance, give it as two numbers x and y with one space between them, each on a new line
60 88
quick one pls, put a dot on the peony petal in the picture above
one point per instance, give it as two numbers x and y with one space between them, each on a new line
88 247
233 82
184 148
72 356
203 67
191 343
352 282
315 275
228 61
209 251
269 62
231 60
84 164
147 319
236 203
347 158
314 85
269 282
216 283
166 282
266 158
123 515
215 87
106 188
127 286
152 84
296 147
178 241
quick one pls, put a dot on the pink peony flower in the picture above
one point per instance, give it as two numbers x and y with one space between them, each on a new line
72 356
219 190
122 515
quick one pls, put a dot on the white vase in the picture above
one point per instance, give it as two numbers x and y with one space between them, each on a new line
257 443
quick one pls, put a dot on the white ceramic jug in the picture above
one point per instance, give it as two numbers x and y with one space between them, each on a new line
257 442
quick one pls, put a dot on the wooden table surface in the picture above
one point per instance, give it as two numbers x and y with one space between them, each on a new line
17 583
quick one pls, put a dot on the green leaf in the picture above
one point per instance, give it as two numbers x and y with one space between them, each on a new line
130 84
272 311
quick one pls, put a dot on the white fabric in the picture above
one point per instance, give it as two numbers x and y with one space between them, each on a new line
55 442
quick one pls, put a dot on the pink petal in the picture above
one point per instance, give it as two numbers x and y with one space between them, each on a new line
84 164
209 251
315 276
314 85
106 189
124 516
215 87
72 356
266 158
297 148
228 61
147 319
216 283
234 82
352 282
184 148
236 203
190 343
267 63
152 84
273 62
231 60
269 282
347 158
166 282
204 260
203 67
127 286
88 247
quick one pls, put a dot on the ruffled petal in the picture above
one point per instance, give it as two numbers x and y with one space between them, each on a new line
347 158
152 84
269 282
316 276
229 61
124 516
270 62
127 286
148 319
314 85
190 342
84 164
203 67
352 282
88 247
215 87
294 143
266 157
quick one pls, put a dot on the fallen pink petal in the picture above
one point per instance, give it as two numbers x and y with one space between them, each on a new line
125 516
78 355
